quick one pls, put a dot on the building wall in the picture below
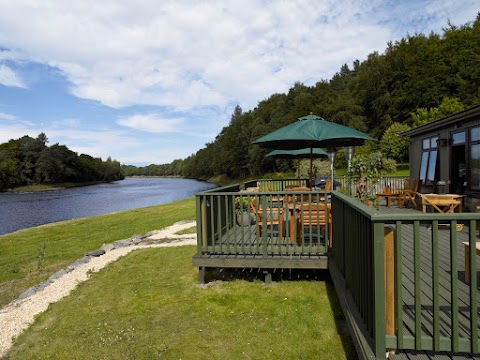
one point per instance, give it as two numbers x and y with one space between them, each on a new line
443 131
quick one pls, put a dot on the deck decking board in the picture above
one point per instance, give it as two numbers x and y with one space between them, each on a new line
445 275
409 298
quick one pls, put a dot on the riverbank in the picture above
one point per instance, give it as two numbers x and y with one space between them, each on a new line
29 257
53 187
18 315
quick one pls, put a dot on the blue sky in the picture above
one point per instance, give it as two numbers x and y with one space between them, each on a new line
152 81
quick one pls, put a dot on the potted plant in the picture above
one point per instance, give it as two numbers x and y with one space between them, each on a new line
373 167
242 206
367 198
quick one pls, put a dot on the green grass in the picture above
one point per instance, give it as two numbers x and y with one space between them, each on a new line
30 256
191 230
147 306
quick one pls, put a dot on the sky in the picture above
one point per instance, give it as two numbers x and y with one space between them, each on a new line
148 81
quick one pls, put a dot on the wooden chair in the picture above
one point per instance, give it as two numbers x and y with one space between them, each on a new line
272 216
328 185
408 193
313 215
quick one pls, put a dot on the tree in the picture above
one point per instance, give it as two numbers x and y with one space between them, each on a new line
448 106
394 146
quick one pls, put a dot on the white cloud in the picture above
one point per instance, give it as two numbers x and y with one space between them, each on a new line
12 118
152 123
14 131
9 78
8 117
187 53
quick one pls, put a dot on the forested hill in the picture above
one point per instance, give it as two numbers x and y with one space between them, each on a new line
418 72
28 160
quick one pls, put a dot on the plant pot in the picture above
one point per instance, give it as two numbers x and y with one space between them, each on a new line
244 219
368 202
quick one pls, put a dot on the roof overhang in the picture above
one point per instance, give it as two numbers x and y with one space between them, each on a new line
443 122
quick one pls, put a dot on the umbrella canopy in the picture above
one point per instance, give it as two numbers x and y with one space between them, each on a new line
312 131
297 154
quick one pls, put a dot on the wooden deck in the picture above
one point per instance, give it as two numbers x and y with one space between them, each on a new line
409 279
424 274
240 247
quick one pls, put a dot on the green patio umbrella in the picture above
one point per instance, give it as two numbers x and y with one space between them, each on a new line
298 154
312 131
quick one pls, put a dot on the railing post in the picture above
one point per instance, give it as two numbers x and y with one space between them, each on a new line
264 225
389 259
199 215
204 221
379 290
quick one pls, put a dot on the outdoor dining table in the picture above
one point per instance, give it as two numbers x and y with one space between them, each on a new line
294 210
446 203
388 196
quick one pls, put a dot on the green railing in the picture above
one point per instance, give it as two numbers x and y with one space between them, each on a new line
395 183
430 307
280 184
276 224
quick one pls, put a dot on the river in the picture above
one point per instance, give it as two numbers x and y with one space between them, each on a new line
24 210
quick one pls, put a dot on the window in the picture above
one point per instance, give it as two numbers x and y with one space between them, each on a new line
475 158
458 138
428 166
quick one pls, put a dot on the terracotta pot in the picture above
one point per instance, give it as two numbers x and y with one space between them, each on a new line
368 202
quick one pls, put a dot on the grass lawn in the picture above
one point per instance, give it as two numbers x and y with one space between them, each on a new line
147 306
28 257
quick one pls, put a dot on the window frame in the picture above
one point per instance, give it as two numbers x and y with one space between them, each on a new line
471 143
427 167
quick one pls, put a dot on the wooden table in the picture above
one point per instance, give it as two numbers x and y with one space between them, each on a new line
388 196
442 203
467 259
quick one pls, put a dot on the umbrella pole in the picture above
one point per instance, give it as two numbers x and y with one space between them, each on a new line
298 173
311 168
331 156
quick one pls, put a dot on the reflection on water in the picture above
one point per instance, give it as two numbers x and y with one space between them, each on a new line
23 210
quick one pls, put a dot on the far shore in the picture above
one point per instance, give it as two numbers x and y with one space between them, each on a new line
52 187
61 186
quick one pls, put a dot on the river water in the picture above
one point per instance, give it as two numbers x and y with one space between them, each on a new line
23 210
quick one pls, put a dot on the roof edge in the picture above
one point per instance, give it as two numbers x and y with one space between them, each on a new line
447 120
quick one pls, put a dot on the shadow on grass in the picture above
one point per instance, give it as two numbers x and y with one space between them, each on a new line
340 321
227 274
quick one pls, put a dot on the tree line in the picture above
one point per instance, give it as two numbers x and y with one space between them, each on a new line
28 161
172 169
415 80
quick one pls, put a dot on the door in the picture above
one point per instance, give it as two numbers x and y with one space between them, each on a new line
459 172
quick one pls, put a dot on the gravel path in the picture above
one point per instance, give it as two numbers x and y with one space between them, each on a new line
18 315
